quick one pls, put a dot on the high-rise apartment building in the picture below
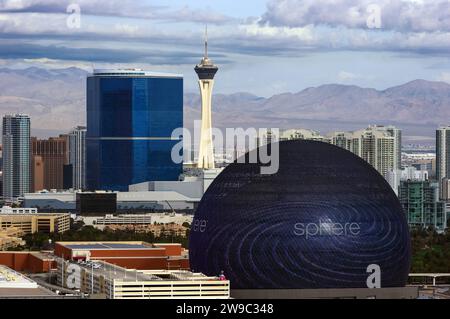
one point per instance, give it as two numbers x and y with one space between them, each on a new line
346 140
16 155
49 157
302 134
420 201
396 133
77 156
131 115
380 146
394 177
269 136
442 155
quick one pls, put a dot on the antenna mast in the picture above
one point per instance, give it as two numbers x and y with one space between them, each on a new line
206 41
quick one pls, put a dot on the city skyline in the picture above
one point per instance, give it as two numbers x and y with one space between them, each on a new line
317 166
56 101
302 48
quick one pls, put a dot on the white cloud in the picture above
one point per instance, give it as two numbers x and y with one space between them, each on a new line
289 28
48 63
398 15
131 30
12 4
344 76
444 77
254 29
117 8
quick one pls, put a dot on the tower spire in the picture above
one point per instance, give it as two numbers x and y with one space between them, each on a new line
206 41
206 71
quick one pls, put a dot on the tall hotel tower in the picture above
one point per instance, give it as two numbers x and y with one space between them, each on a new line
77 156
206 71
131 115
16 156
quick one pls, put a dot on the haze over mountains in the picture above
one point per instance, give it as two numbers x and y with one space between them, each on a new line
55 100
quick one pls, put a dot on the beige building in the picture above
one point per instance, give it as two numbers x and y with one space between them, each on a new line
33 223
302 134
380 146
105 280
10 238
158 230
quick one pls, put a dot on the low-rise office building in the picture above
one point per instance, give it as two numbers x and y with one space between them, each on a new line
36 222
158 230
10 238
138 219
9 210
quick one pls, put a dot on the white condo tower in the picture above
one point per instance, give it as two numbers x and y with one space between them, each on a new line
206 71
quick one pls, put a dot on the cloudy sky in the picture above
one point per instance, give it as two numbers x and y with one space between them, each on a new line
262 46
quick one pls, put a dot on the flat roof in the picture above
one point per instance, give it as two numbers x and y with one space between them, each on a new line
106 246
42 256
33 214
133 73
11 279
22 293
111 271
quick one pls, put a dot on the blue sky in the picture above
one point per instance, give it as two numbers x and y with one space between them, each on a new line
261 46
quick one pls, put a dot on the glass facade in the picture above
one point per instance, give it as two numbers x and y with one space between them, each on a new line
442 153
130 121
96 204
420 201
319 222
77 157
16 156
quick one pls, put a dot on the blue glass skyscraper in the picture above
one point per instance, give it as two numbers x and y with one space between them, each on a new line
130 118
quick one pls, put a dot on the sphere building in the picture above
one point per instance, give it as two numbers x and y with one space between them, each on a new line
322 221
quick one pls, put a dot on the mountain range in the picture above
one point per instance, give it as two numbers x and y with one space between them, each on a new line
55 100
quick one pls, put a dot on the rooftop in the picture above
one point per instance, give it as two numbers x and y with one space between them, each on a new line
105 245
110 271
11 279
31 293
134 73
